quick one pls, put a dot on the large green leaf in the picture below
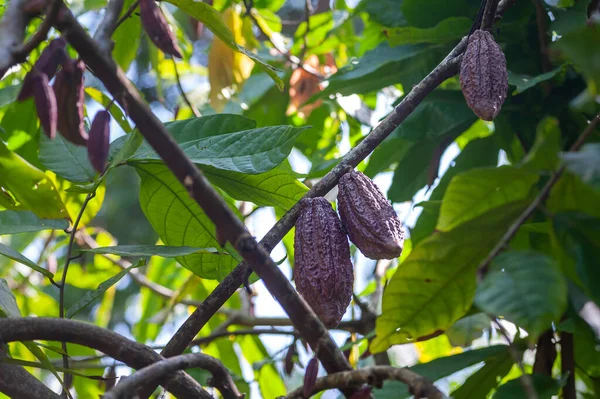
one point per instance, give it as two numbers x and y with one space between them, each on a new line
8 303
426 13
14 222
485 379
29 186
440 368
269 381
385 66
579 236
464 331
585 164
571 194
179 221
545 386
578 45
17 257
525 82
435 285
472 193
385 12
164 251
66 159
277 187
411 172
517 287
206 142
543 155
447 30
206 14
127 39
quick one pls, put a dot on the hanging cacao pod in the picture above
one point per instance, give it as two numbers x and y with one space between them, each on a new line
156 26
369 218
322 267
45 103
483 75
98 141
69 91
53 55
310 377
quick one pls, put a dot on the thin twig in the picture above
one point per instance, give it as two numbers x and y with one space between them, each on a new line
127 14
41 34
376 375
525 378
182 92
220 377
108 25
484 265
567 357
541 17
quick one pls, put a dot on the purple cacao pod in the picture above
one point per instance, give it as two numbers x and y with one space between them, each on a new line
98 140
483 75
369 218
45 103
310 377
53 55
322 267
69 91
289 359
156 26
363 393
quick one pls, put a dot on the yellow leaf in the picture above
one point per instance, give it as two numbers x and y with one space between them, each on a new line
435 348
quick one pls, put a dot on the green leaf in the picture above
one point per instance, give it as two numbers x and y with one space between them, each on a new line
571 194
269 381
123 148
114 110
148 250
66 159
384 12
464 331
91 296
9 94
8 303
517 287
447 30
578 45
545 386
585 164
273 5
14 222
426 13
179 221
543 155
485 379
127 39
250 151
440 368
17 257
214 21
524 82
579 236
435 285
385 66
411 172
472 193
30 186
277 187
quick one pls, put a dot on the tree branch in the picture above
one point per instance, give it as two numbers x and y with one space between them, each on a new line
220 378
567 357
132 353
376 375
108 25
16 382
489 14
12 31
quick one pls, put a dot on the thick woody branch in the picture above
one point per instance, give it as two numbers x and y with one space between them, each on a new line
107 25
132 353
375 376
12 32
489 15
16 382
220 378
228 225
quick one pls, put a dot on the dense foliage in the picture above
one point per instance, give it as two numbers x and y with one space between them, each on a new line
497 290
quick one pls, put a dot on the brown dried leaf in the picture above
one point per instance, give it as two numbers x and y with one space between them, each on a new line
323 269
98 141
369 218
483 75
45 103
156 26
310 377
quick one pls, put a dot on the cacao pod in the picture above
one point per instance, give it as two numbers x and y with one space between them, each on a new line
369 218
310 377
68 88
289 359
323 269
98 140
483 75
53 55
45 103
156 26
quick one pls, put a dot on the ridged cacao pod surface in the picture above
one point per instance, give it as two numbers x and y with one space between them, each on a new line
69 91
369 218
98 142
45 103
156 26
323 270
483 75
